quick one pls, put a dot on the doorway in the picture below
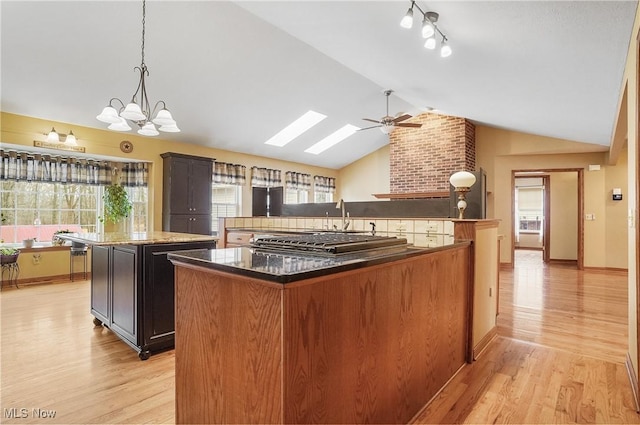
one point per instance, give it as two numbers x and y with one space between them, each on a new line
547 211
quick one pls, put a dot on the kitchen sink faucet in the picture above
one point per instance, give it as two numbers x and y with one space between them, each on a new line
345 222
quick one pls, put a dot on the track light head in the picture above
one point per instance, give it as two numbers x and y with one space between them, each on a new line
407 21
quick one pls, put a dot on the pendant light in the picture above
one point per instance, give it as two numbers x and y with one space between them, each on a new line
138 110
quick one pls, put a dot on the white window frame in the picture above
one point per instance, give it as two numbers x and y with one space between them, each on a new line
215 209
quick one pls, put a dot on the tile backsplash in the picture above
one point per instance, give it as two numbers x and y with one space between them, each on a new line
420 232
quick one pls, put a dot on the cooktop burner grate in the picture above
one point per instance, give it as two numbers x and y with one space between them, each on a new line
332 243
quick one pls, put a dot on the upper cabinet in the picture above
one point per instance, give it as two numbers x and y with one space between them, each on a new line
186 201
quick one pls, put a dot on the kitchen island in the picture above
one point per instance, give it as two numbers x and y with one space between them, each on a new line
132 284
271 336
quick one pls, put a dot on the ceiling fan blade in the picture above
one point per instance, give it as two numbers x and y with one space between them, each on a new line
370 120
408 124
401 118
367 128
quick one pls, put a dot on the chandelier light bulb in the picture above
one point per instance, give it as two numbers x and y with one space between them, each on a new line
169 128
407 21
148 130
133 113
109 115
430 43
121 125
164 118
53 137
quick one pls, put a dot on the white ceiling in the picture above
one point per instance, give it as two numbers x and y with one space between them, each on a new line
235 73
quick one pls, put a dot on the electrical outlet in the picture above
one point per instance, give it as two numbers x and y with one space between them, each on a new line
36 259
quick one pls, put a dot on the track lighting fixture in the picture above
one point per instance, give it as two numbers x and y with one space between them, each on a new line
429 29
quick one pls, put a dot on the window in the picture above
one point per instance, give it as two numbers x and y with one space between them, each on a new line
320 197
139 201
225 202
37 210
295 196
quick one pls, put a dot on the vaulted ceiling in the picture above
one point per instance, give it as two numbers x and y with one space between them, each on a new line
235 73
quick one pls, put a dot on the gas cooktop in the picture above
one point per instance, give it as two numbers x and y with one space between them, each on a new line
327 243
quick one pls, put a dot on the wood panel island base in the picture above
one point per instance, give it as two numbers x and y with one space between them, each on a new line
287 338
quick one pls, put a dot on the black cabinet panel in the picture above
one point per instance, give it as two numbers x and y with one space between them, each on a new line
267 201
186 202
132 292
177 171
100 283
125 276
200 179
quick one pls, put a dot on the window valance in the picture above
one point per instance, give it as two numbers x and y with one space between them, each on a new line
229 173
324 184
134 174
298 181
265 177
29 166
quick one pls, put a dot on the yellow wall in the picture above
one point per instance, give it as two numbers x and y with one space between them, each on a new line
361 179
630 79
22 130
563 243
499 152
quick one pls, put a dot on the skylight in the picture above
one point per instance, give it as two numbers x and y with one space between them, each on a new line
296 128
332 139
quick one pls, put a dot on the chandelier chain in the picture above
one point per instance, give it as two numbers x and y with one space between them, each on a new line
144 14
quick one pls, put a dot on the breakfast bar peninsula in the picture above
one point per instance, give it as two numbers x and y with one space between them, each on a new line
132 283
329 334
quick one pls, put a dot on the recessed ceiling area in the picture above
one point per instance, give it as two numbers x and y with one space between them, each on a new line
236 73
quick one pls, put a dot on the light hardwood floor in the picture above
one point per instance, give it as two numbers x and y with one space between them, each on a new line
558 359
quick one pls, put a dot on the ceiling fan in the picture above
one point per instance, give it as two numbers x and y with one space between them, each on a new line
387 123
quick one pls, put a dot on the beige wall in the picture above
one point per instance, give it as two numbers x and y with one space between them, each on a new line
630 80
563 242
361 179
499 152
22 130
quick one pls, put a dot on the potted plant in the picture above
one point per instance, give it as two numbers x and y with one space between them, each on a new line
116 204
9 255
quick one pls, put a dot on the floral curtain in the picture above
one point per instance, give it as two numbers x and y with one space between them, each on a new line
38 167
229 173
324 184
265 177
297 181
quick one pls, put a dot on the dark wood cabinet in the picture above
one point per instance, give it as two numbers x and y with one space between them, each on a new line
132 292
186 201
267 201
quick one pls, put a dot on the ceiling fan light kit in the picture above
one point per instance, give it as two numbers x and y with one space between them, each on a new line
429 29
139 113
388 123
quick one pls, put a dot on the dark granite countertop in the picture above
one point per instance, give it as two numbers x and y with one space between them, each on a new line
286 267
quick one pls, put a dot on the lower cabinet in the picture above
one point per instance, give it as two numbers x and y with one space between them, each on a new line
196 223
132 293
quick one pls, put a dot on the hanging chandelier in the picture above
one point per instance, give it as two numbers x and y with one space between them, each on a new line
429 29
138 112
